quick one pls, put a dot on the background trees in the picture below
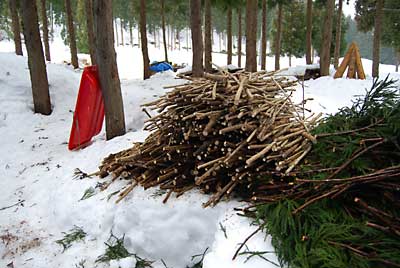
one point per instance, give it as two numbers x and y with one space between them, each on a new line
37 66
15 26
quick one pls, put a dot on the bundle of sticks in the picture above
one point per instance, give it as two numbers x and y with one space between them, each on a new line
217 133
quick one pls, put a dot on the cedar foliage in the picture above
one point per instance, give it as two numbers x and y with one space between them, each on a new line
358 226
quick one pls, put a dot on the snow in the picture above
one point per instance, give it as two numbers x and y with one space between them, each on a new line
36 170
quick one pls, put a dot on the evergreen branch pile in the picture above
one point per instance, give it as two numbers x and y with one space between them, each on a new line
217 133
342 207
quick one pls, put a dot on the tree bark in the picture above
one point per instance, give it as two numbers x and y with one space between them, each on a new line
71 34
309 58
143 37
264 35
116 32
108 70
397 60
187 39
15 26
229 35
90 29
251 35
163 29
325 56
239 36
338 35
36 63
197 38
178 38
377 38
278 37
45 29
130 33
207 36
121 23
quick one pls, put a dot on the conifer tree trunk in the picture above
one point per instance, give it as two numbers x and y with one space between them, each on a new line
338 35
377 38
178 38
116 32
45 29
264 35
278 37
130 34
90 30
397 59
207 36
71 34
122 31
51 22
229 35
197 38
15 26
163 29
325 56
36 63
108 70
143 37
251 35
138 36
239 36
187 39
172 39
309 58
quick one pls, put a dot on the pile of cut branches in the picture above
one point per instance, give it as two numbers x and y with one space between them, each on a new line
219 133
342 209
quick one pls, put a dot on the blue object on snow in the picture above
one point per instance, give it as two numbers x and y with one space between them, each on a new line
160 67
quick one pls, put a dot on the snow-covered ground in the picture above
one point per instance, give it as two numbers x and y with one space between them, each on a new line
36 173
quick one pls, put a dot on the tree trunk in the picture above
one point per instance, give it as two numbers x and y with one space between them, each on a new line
278 37
130 33
309 58
229 35
338 35
187 39
121 23
239 36
90 29
108 70
36 63
207 36
163 29
45 29
71 34
143 37
155 36
397 60
197 38
116 32
290 60
138 36
377 38
325 56
251 35
264 35
51 22
172 38
15 26
178 38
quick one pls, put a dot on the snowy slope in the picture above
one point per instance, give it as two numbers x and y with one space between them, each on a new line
36 169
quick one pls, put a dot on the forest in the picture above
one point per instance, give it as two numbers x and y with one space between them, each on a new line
217 159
